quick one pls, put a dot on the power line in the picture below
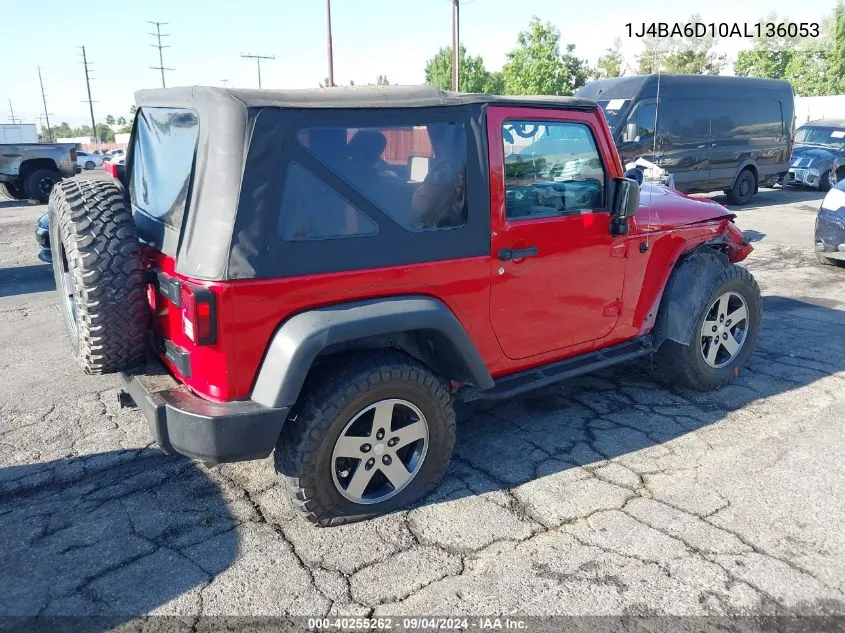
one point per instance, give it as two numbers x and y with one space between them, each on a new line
258 59
13 118
89 101
46 114
158 35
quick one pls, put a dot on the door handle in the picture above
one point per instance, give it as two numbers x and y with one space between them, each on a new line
507 254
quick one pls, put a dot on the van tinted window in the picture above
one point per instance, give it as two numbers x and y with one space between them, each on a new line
162 161
756 119
684 120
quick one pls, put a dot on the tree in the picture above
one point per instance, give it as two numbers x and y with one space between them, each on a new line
104 133
694 55
382 80
121 121
536 65
472 75
110 119
132 110
651 59
767 57
610 64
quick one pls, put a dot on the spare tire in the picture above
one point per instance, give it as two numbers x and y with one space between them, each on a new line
99 275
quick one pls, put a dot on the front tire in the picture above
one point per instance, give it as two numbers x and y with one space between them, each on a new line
827 180
743 189
15 192
89 164
370 435
724 336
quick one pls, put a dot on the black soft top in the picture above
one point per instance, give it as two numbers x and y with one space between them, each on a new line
199 97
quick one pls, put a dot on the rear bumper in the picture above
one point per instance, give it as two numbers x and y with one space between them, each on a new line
184 423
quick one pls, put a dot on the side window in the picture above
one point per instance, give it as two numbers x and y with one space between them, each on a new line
162 160
311 210
415 174
644 118
759 120
683 122
551 169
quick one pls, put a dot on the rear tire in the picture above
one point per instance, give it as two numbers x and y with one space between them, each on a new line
99 275
89 164
743 189
40 183
692 365
310 452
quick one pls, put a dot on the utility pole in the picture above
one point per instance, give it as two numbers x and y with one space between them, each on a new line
89 101
329 42
12 118
258 59
225 83
456 43
44 101
158 35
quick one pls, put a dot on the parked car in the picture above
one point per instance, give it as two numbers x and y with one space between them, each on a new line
818 158
709 132
117 157
830 227
88 160
30 170
248 322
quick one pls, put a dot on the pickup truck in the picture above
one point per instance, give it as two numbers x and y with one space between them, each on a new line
30 170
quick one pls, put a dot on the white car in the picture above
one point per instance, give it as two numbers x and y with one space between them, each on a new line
89 161
118 157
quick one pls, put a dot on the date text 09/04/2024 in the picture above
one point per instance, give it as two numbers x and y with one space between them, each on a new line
724 29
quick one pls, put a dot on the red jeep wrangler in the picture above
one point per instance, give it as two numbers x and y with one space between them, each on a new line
325 271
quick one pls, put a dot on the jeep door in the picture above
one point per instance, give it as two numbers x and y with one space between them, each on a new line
557 273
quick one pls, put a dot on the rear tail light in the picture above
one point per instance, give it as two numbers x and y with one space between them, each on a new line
111 169
199 314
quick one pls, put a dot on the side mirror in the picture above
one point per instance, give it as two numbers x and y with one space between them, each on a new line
630 133
626 201
635 173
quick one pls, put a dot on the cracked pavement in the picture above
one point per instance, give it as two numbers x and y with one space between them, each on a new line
609 494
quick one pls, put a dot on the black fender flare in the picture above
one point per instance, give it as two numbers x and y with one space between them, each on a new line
689 287
304 336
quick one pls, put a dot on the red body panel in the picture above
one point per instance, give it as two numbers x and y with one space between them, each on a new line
585 290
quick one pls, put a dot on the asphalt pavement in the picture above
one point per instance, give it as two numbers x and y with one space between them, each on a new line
608 494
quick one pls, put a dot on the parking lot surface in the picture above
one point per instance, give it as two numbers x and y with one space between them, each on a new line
608 494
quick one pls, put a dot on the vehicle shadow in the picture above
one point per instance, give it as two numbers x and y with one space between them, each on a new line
112 535
21 280
616 412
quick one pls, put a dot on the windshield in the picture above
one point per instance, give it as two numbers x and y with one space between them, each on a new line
613 108
827 136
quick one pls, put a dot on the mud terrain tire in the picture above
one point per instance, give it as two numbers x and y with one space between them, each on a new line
99 275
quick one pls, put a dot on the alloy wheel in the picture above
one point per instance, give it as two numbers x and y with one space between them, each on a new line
724 330
380 451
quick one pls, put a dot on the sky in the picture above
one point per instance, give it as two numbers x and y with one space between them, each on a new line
371 37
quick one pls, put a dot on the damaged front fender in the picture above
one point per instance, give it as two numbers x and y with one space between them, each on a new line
686 294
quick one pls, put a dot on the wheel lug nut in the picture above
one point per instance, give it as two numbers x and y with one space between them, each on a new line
380 434
370 463
715 328
386 460
393 441
725 336
365 448
728 322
